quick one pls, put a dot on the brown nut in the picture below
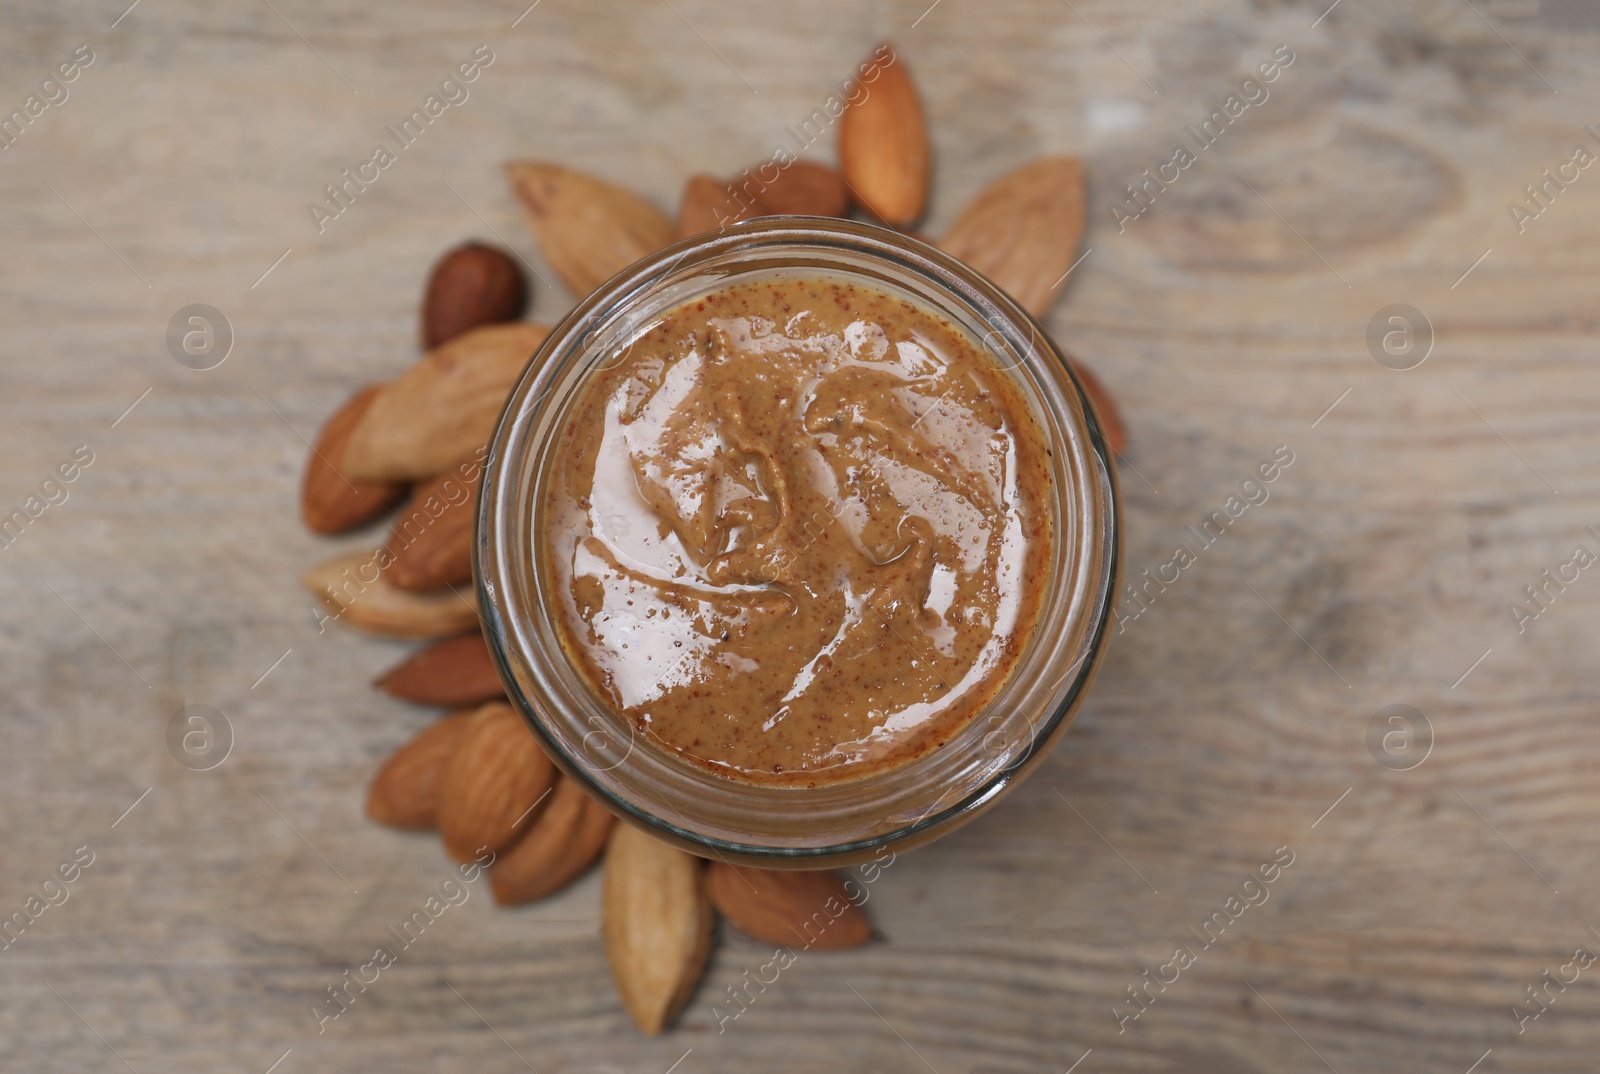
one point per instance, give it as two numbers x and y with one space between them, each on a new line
472 285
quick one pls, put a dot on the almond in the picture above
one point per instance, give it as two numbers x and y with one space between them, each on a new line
1105 408
444 407
803 910
472 285
804 189
569 835
588 229
657 925
405 792
1023 230
456 671
800 189
883 145
354 591
495 778
432 538
330 500
707 206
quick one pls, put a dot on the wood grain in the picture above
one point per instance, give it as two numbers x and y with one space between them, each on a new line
1227 320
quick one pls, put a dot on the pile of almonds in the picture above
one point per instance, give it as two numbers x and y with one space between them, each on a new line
477 775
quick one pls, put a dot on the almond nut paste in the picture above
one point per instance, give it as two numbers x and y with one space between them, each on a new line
799 530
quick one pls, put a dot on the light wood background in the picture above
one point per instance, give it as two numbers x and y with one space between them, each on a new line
1227 721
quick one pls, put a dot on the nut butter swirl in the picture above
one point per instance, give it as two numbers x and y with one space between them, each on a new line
799 531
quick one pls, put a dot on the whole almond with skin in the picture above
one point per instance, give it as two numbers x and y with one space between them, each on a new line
1105 408
453 672
405 792
657 924
706 206
800 189
589 229
495 778
1023 230
883 145
330 500
804 189
431 541
355 592
444 407
801 910
570 834
472 285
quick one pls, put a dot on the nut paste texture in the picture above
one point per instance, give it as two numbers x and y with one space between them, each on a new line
798 530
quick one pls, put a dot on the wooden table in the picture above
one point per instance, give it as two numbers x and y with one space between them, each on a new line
1231 719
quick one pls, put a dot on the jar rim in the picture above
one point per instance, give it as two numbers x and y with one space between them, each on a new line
713 814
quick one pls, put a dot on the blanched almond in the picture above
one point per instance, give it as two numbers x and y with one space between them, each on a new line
1023 230
589 229
444 407
495 778
354 591
802 910
657 925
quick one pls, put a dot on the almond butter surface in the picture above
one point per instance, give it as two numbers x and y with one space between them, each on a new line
767 643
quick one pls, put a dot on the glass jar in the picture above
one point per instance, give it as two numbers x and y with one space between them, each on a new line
834 823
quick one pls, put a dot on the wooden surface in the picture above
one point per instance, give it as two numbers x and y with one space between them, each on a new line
1228 719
